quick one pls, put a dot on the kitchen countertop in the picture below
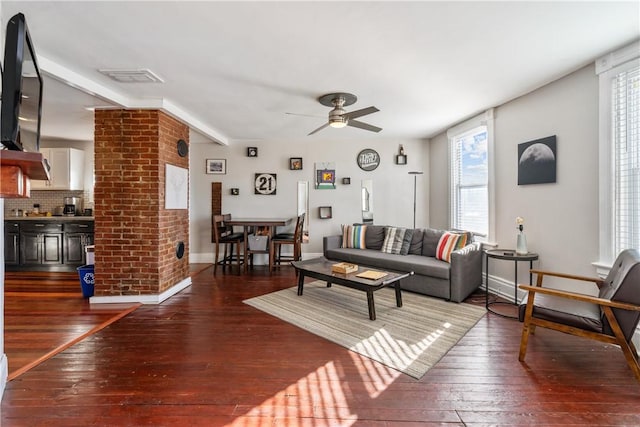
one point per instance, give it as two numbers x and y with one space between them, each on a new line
49 218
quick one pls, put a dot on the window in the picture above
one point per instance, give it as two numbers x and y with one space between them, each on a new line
619 135
626 146
469 146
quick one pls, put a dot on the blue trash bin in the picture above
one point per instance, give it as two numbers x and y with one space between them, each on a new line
86 280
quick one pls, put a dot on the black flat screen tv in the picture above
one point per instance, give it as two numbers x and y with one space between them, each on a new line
21 109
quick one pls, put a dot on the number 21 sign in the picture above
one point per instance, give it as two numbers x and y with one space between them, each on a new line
265 183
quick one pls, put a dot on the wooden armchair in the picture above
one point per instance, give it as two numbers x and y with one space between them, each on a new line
611 317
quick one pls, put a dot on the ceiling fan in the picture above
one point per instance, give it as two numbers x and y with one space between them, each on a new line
339 117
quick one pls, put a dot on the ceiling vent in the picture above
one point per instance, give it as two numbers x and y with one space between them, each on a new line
141 75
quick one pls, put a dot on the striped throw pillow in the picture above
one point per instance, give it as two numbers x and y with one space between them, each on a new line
393 240
448 243
353 236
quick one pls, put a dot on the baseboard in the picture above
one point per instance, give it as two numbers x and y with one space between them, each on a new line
143 299
503 288
4 373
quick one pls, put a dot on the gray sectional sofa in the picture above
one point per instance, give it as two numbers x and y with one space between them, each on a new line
452 281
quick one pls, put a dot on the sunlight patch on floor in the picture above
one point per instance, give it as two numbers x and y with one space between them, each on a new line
315 400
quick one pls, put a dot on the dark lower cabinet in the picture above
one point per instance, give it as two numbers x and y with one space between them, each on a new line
74 247
46 245
40 248
11 243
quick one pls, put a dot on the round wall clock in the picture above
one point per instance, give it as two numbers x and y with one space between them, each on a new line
368 159
265 183
183 148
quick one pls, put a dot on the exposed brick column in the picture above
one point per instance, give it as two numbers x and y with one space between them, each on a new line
135 236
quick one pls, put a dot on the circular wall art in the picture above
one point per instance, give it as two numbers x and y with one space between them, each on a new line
180 250
183 148
368 159
265 183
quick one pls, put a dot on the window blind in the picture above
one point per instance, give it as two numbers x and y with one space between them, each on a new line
469 179
626 146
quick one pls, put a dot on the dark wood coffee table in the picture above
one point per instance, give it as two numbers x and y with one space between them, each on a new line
320 268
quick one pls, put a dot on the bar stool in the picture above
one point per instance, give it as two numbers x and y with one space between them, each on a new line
224 235
294 239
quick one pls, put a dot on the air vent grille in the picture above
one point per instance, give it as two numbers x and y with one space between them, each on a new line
142 75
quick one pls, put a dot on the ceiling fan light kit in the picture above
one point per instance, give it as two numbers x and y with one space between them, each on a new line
339 117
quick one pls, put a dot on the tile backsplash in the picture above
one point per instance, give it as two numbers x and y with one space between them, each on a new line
47 199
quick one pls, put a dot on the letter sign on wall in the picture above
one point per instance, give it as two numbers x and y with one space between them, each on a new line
368 159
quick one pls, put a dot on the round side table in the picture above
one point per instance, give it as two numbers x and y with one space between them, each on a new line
506 255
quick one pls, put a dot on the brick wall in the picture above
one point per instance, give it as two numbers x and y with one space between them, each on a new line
135 236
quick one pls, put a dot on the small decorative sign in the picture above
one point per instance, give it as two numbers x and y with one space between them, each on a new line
265 183
368 159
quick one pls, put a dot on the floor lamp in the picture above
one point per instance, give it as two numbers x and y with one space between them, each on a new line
415 178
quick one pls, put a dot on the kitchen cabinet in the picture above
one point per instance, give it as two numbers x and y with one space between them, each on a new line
77 236
47 244
40 244
11 243
67 169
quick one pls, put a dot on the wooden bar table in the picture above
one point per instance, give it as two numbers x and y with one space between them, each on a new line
249 223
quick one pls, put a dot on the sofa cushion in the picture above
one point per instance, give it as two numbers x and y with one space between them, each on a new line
430 241
448 243
420 265
353 236
397 240
374 237
415 248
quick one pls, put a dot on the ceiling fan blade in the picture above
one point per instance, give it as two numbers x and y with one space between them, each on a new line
360 113
319 129
305 115
365 126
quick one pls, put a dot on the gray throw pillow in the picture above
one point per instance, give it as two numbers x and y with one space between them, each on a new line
406 241
416 242
374 237
430 241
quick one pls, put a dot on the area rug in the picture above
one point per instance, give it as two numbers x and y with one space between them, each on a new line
410 339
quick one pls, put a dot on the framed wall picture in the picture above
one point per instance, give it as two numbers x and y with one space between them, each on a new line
295 163
325 176
217 166
537 161
252 151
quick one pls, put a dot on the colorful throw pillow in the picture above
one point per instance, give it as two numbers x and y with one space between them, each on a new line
448 243
353 236
395 239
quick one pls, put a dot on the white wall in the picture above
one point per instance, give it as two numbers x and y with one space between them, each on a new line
392 185
561 219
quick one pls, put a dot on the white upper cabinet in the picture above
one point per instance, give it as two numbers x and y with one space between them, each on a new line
67 170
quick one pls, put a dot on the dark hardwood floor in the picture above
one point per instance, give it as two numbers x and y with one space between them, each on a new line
203 358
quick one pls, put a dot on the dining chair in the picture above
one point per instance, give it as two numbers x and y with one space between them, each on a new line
223 235
280 239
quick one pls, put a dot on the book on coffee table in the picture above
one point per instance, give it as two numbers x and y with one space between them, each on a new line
373 275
